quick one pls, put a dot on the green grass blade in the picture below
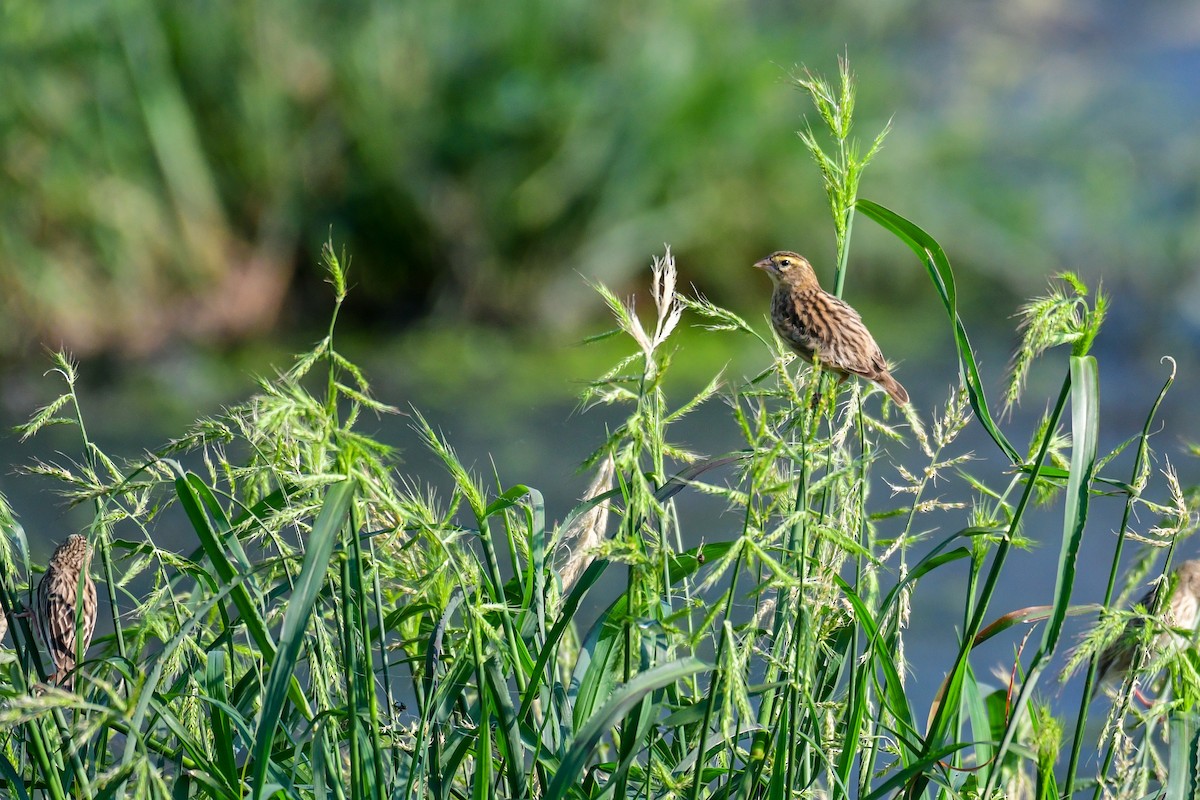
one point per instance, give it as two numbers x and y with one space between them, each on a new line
595 672
902 777
934 258
211 540
537 550
596 669
321 542
893 690
224 527
148 689
943 715
565 618
1085 435
223 741
481 780
619 704
12 781
248 609
509 738
1183 766
982 729
204 769
1142 454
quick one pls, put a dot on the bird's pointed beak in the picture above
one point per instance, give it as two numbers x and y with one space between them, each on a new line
763 264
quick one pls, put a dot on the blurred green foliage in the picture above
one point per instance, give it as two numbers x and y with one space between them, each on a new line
171 168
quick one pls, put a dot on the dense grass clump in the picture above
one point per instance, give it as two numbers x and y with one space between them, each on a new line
337 629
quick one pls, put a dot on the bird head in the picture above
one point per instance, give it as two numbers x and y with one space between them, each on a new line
788 269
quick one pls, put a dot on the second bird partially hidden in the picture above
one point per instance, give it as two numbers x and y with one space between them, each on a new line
58 603
822 328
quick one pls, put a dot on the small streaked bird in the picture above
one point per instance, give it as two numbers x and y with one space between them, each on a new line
1179 614
55 612
821 328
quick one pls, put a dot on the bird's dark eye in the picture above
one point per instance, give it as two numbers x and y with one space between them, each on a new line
785 262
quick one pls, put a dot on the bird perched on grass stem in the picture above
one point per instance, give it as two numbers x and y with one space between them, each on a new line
57 599
1179 614
821 328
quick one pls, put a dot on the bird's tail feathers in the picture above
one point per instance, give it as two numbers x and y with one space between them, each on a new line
893 388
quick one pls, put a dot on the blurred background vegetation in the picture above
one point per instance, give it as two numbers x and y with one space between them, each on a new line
169 170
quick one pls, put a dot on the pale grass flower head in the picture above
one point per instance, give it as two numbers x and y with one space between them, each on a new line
668 309
1176 517
590 528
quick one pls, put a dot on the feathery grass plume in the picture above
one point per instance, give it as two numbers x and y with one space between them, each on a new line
1159 627
1047 744
841 169
1109 627
336 267
945 430
1156 633
1177 518
14 547
1062 316
590 528
721 319
668 309
49 413
736 703
1057 455
1127 778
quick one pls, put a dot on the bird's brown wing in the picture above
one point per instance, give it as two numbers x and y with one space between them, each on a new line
88 612
56 617
846 344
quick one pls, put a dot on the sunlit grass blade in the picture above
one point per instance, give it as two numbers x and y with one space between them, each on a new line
595 671
934 258
893 691
206 771
214 684
334 513
566 618
224 527
619 704
985 731
1183 766
509 734
901 778
147 697
1137 476
1085 432
945 713
226 570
